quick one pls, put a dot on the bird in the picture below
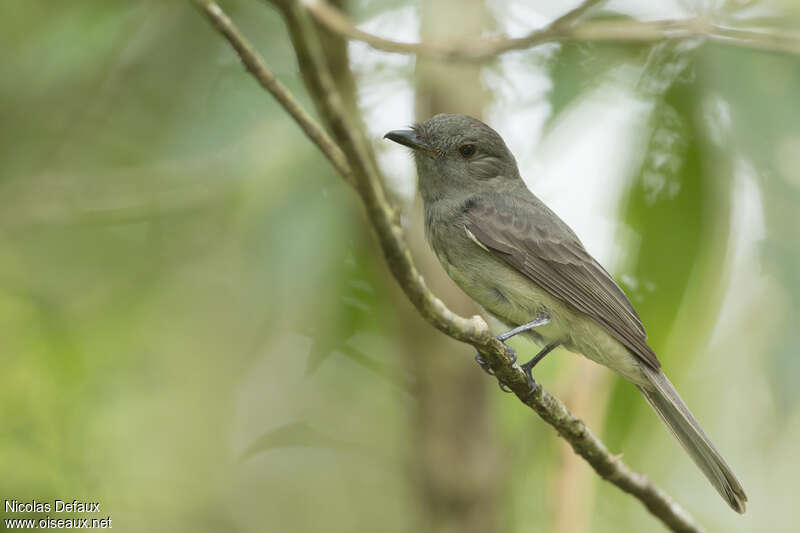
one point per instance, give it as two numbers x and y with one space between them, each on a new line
529 271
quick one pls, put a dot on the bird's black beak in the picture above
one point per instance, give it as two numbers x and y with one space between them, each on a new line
411 139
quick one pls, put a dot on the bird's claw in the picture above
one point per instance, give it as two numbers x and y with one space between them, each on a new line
526 367
532 385
485 366
513 353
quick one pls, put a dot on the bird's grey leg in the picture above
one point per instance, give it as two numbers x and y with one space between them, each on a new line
540 320
527 367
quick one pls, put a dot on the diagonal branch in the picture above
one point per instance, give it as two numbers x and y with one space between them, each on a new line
382 216
268 81
566 27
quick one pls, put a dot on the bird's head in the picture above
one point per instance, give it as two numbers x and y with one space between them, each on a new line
457 154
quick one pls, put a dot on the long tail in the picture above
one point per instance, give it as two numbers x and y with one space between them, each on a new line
666 402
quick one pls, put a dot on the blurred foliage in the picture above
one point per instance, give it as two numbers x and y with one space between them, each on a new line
766 131
199 332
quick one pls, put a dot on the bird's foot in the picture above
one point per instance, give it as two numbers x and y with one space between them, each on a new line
485 366
527 368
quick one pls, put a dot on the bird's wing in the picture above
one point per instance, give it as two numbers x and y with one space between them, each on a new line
554 258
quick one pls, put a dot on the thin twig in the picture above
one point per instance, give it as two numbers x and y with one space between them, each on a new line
572 16
566 27
398 257
268 81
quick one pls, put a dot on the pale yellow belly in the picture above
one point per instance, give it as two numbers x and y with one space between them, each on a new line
513 300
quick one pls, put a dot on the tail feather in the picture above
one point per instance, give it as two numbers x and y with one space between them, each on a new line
666 402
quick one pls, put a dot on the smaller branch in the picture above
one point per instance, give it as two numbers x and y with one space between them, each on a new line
370 185
335 21
256 66
773 41
572 16
563 28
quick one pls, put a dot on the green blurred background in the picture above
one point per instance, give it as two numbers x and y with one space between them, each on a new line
197 330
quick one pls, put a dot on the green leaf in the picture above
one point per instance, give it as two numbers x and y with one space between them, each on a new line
293 435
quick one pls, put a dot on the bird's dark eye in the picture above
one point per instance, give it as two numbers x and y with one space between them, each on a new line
466 150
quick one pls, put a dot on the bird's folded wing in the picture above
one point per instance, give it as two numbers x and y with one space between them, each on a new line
557 262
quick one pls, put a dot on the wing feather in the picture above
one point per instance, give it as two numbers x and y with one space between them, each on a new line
556 260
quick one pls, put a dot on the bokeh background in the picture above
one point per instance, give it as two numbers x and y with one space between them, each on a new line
197 330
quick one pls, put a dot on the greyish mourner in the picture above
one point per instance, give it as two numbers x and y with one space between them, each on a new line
525 267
